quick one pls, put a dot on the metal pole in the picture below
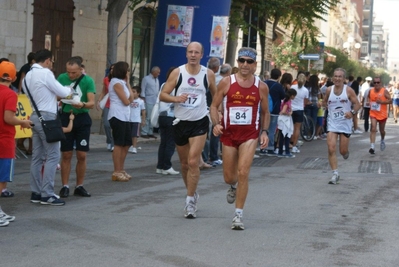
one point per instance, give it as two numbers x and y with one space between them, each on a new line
308 64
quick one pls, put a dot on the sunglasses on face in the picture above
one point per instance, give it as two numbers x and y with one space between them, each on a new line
243 60
376 82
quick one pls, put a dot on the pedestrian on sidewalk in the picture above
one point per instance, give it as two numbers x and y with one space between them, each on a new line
121 95
79 138
240 127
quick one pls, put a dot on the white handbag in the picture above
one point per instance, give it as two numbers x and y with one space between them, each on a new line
104 101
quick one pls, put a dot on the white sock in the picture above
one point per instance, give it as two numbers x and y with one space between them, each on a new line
189 199
335 171
239 211
234 186
65 185
372 145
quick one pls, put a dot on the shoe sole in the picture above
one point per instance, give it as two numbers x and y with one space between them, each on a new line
52 204
35 201
237 227
190 216
79 195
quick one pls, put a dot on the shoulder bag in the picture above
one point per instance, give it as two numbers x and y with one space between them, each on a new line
52 128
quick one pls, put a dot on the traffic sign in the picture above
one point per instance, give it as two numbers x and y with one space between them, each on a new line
309 56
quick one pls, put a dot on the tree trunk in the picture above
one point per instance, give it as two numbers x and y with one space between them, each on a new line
115 10
262 40
232 38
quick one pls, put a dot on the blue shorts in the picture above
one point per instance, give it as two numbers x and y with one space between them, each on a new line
396 101
320 121
135 129
6 170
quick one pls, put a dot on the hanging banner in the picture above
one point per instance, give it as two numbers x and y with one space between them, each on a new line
218 36
24 110
179 21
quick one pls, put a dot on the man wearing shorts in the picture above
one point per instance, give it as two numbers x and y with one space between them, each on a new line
339 99
80 134
379 99
242 95
192 123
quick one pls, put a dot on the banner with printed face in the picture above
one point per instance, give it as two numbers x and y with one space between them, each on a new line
179 25
218 36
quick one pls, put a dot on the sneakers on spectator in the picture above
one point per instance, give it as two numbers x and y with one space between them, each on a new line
280 156
189 210
131 149
170 171
382 148
217 162
289 156
158 171
35 198
295 150
231 195
81 191
270 153
7 193
5 217
237 222
357 131
371 151
64 192
53 201
3 223
262 152
299 143
109 146
334 179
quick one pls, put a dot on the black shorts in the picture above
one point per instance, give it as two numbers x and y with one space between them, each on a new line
186 129
347 135
80 134
121 132
297 116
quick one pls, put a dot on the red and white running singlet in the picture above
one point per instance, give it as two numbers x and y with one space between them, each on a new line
241 111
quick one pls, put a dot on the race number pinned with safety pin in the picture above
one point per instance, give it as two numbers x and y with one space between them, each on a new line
240 115
338 113
375 106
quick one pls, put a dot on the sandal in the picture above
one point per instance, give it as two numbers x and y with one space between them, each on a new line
119 177
205 166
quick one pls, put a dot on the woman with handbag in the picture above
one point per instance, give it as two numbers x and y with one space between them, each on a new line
120 95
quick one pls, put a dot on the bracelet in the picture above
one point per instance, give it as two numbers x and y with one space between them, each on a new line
84 104
267 132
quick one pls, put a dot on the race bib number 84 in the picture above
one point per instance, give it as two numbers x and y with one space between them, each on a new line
240 115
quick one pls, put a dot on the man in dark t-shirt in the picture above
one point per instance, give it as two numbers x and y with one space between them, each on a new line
23 71
356 87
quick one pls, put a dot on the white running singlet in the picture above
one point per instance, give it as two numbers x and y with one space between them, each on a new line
337 107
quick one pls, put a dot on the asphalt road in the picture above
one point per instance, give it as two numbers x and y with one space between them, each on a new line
293 217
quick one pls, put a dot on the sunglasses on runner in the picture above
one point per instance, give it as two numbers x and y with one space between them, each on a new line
243 60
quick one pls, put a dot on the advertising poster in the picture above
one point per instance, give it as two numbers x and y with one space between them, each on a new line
24 110
179 21
218 36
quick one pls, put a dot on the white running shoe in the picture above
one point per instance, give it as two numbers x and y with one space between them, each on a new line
171 171
131 149
382 145
357 132
237 222
295 150
5 217
109 146
334 179
189 210
4 223
231 195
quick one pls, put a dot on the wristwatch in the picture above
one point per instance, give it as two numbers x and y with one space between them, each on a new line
353 112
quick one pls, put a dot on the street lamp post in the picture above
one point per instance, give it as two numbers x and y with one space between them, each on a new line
349 45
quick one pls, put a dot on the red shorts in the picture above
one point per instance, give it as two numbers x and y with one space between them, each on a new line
238 135
379 121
